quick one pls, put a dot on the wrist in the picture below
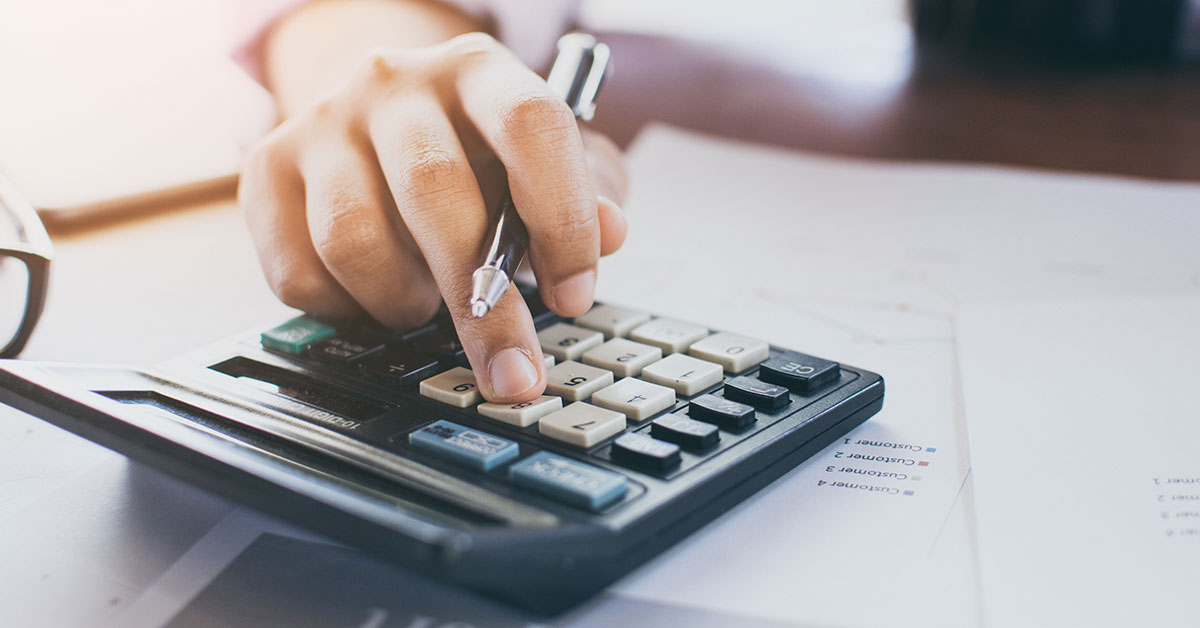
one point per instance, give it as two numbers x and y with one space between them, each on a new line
314 48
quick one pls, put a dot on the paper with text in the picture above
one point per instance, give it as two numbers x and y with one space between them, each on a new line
866 262
1085 440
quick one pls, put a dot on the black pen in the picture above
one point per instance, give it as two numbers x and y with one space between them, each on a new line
579 68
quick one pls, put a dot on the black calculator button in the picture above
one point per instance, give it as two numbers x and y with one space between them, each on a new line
343 352
397 367
799 372
688 433
442 342
724 413
642 451
420 331
757 393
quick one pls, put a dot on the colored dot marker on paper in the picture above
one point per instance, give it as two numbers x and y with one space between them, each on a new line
931 449
923 463
908 492
916 478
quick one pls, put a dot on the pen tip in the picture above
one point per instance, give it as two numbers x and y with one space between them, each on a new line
479 308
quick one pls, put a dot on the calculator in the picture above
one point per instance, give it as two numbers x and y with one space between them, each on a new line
650 427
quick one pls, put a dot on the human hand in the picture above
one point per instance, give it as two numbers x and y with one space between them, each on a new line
375 200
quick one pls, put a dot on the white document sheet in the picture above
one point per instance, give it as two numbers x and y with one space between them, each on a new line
866 262
1084 423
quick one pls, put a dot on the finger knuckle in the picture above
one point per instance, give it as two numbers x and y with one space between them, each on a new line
425 309
419 305
324 112
298 289
344 238
430 169
472 45
382 64
267 156
536 117
383 72
263 168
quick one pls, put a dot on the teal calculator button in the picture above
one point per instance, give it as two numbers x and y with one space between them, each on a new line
464 445
573 482
296 334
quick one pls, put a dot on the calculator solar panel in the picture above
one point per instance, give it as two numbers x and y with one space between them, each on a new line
649 428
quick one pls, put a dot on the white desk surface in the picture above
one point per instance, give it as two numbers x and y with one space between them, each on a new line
116 295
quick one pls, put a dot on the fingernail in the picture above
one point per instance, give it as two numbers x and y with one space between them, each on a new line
511 373
574 296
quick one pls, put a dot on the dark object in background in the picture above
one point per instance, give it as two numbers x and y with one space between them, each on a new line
1067 32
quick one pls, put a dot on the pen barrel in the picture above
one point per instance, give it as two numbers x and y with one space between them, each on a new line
510 239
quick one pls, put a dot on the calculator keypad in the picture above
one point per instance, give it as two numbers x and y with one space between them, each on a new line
757 393
569 480
397 367
799 372
456 387
568 342
521 414
582 424
342 352
576 382
296 335
463 445
724 413
670 335
638 400
442 342
688 433
625 358
614 378
687 375
612 321
733 352
642 451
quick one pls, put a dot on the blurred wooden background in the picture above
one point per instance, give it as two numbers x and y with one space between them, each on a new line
1129 121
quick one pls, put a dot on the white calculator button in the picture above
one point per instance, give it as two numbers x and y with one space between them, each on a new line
575 382
456 387
614 321
521 414
636 399
733 352
549 360
582 424
568 342
685 374
670 335
623 357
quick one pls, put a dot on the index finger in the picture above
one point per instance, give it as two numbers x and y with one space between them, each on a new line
438 196
536 137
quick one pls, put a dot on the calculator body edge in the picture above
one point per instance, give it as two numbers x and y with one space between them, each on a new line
428 516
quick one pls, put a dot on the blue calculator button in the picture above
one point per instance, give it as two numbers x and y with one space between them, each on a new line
464 445
573 482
